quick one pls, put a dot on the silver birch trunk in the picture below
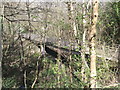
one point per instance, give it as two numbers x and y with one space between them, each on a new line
83 44
72 17
92 37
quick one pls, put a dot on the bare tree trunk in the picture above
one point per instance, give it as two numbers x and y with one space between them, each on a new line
92 36
119 64
70 69
23 60
59 61
29 27
1 29
36 75
83 44
71 17
73 31
85 67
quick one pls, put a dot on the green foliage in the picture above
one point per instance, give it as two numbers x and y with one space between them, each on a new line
33 16
49 70
66 27
36 55
79 18
9 82
104 74
110 19
55 69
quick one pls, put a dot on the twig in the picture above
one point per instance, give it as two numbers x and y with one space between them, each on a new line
36 77
112 85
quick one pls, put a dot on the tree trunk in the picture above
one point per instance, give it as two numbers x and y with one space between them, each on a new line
71 17
119 64
1 29
83 73
74 32
92 36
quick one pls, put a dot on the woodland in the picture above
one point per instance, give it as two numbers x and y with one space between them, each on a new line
57 44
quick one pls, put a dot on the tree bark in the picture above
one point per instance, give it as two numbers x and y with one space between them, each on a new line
92 37
84 63
73 31
1 29
71 17
119 64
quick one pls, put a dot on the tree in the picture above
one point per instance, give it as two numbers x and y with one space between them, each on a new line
92 42
52 30
84 42
72 17
1 29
